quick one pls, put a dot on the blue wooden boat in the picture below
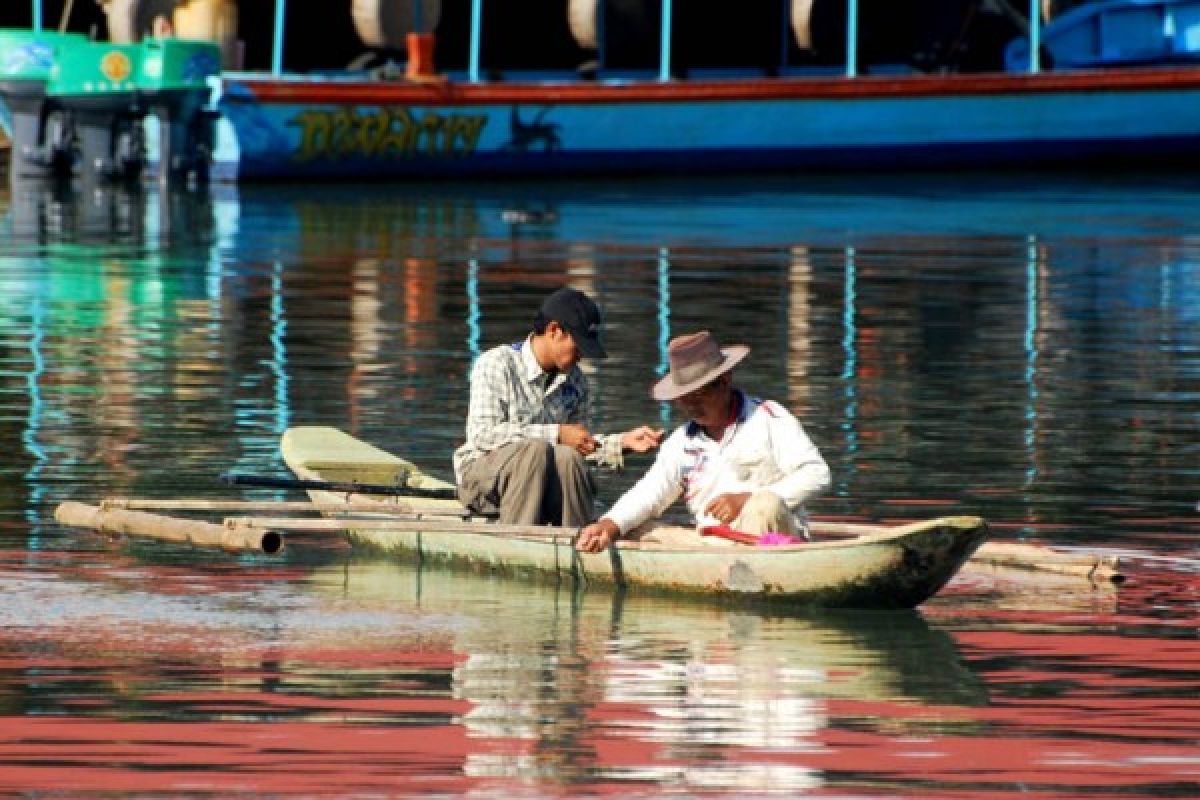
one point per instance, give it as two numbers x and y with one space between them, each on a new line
1119 33
358 129
1126 95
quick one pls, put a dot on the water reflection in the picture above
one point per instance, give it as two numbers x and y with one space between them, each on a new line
1023 362
597 685
541 682
40 214
1023 349
369 675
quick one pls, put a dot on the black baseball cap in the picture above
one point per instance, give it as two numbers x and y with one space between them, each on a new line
579 316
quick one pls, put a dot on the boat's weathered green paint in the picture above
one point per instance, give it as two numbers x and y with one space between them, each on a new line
894 567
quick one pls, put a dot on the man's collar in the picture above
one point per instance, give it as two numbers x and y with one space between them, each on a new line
743 402
693 428
532 371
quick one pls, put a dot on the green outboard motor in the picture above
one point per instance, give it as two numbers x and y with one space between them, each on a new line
96 83
41 130
77 103
173 85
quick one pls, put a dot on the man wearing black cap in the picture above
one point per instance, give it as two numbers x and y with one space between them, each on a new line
528 439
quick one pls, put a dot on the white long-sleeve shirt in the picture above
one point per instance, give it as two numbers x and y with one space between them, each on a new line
764 448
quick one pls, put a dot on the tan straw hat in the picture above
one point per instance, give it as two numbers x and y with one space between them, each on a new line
695 359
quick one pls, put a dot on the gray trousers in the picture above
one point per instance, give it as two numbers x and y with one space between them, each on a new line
531 482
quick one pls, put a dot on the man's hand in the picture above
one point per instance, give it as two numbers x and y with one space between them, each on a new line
642 439
598 536
727 507
574 435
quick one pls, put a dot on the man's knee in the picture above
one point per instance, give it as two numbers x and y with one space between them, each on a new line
531 455
766 504
766 511
569 460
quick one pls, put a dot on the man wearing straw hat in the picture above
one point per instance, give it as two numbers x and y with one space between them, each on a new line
528 446
739 462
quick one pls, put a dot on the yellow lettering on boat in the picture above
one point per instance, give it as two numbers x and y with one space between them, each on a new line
315 134
400 134
464 129
385 133
345 123
356 135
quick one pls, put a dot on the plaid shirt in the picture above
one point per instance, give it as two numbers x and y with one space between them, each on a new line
513 398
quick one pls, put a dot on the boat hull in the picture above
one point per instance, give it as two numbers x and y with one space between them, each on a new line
892 573
895 567
279 128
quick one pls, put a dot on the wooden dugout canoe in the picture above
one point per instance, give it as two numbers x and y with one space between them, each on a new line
891 567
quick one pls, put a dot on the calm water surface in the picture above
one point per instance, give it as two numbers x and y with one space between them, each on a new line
1025 349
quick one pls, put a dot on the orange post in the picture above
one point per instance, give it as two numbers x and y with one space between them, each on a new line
420 56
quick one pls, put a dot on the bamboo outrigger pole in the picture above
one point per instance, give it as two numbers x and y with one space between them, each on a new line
413 523
1096 568
1012 555
204 504
264 534
169 529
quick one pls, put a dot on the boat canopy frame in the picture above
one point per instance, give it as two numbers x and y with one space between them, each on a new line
664 65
